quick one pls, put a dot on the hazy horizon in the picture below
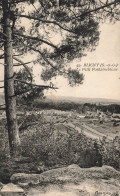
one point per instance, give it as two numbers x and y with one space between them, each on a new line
61 97
54 97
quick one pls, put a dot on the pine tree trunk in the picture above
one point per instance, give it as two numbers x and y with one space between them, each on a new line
10 99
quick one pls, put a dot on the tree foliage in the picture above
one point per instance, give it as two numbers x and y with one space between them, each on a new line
58 31
74 37
31 92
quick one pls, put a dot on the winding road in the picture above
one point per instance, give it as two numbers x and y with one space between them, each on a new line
88 131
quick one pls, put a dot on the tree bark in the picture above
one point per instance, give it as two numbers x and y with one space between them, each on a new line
10 99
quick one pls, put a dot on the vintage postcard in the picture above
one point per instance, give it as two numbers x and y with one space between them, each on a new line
59 98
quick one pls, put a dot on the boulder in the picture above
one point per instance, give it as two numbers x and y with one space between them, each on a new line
25 179
74 166
74 180
11 190
66 174
39 168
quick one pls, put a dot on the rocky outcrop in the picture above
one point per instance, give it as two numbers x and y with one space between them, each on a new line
11 190
71 173
72 179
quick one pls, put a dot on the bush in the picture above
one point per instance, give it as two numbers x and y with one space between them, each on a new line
54 146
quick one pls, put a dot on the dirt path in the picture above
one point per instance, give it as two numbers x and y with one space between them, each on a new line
90 132
95 132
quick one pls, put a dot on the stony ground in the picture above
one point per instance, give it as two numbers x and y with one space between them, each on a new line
70 181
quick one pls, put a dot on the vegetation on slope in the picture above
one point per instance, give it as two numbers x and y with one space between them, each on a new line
45 145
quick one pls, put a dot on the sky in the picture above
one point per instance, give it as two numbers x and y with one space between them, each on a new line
96 84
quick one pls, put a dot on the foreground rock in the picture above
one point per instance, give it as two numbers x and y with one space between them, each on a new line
11 190
72 181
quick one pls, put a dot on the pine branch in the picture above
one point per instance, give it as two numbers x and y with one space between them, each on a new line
45 59
3 34
20 1
2 105
2 64
2 108
36 50
21 64
23 92
25 66
2 56
41 86
18 54
45 21
97 9
105 5
36 39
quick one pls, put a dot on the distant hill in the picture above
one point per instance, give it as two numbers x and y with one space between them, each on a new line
72 99
81 100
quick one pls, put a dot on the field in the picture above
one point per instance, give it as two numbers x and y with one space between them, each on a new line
91 127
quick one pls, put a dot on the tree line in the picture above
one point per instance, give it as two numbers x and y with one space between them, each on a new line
71 106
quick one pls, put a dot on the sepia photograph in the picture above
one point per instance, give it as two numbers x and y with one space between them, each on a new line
59 98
